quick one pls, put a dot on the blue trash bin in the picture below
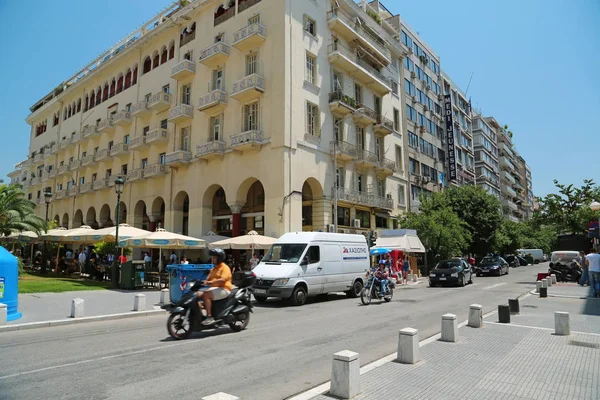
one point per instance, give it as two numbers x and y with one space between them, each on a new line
9 284
180 276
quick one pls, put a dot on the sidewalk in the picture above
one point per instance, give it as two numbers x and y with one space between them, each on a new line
520 360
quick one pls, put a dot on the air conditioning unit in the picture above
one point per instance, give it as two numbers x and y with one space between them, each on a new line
410 50
428 87
414 99
330 228
356 223
413 75
440 97
425 108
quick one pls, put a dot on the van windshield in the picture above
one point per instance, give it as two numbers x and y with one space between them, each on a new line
284 253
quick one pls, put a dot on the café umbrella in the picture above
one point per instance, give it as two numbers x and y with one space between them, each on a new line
126 231
250 241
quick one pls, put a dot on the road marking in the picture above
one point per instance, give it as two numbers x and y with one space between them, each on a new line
494 286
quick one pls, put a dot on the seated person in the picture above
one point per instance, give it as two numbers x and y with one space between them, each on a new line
219 280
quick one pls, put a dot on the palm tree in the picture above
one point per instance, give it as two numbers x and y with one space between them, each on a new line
16 212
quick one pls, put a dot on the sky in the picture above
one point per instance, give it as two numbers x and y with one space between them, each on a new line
534 64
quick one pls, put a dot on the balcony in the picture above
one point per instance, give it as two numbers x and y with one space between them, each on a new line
347 27
99 184
247 141
63 169
183 71
101 155
160 102
343 151
505 161
64 143
135 175
90 131
214 102
366 159
50 151
122 118
105 126
87 160
61 194
181 113
364 115
119 149
77 138
215 55
248 88
249 37
386 167
341 104
84 188
137 142
507 176
510 204
38 158
511 192
155 170
141 110
210 150
348 60
178 158
52 173
384 126
157 136
363 198
75 164
72 191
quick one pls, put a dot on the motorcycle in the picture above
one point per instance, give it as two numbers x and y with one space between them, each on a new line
186 316
566 273
373 290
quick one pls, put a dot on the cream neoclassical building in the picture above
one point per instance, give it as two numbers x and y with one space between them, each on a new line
222 116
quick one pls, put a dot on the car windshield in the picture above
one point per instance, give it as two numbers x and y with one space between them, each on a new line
448 264
284 253
490 260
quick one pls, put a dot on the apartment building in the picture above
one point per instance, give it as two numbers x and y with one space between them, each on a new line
485 144
530 196
230 116
462 127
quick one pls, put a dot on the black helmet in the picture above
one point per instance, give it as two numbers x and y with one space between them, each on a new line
219 253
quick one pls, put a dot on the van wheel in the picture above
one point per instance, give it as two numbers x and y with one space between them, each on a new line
298 296
356 290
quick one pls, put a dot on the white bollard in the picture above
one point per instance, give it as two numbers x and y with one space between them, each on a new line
164 296
538 286
553 276
220 396
449 328
139 302
475 316
562 325
77 308
549 280
3 314
408 346
544 283
345 375
408 277
415 278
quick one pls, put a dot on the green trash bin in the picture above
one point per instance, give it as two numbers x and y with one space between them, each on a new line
132 275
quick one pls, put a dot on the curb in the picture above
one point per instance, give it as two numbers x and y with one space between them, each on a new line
73 321
533 292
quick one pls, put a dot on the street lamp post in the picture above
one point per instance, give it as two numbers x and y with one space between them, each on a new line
595 206
119 183
47 200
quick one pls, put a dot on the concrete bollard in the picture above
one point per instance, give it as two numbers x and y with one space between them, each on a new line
139 302
475 316
549 280
538 286
408 346
345 375
3 314
562 325
449 328
408 277
504 314
553 276
544 283
415 278
513 305
220 396
164 296
543 292
77 308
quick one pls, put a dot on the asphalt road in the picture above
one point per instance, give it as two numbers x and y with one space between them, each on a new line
285 349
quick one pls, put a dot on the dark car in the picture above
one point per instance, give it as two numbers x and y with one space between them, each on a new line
515 261
456 271
492 265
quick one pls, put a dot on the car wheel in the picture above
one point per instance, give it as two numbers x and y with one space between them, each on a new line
471 278
478 274
298 296
461 282
507 271
431 284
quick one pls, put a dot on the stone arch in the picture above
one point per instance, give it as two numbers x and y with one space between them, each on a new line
216 214
78 219
181 211
140 216
65 221
251 195
312 205
105 220
157 214
90 218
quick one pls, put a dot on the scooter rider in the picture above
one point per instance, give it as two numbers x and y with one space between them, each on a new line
219 280
382 276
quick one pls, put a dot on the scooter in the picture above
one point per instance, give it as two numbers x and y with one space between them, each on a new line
186 316
373 290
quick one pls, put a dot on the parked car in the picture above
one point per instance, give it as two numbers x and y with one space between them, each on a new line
456 271
536 254
492 265
515 261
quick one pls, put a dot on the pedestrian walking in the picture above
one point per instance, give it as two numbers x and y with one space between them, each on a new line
593 263
405 269
585 278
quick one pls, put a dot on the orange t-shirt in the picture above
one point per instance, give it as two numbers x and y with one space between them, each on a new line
221 271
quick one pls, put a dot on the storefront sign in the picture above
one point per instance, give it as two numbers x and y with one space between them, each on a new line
450 138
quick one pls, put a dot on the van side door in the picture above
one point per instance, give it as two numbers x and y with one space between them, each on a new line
333 279
313 270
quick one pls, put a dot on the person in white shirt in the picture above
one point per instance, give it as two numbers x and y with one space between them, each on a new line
81 260
147 258
185 260
593 262
254 261
173 258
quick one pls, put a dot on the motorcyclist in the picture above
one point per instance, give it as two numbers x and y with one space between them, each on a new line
382 276
219 280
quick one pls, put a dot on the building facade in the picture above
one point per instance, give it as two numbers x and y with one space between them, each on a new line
485 143
229 116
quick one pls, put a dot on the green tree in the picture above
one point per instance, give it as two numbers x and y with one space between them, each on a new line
509 237
443 234
16 212
106 248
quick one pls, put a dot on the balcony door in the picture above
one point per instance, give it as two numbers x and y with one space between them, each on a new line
218 79
185 139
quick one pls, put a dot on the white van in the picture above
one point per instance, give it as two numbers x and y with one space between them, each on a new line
537 254
302 264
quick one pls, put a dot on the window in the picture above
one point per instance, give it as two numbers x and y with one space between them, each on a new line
409 64
401 195
310 26
108 173
396 120
215 128
378 148
145 130
381 188
358 93
360 138
413 166
312 119
336 129
360 183
126 139
219 38
251 63
166 89
411 113
186 94
185 139
422 120
313 254
364 217
394 87
259 222
406 40
94 177
343 216
218 79
163 124
311 68
162 158
337 82
188 55
250 115
124 169
81 181
144 163
399 157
